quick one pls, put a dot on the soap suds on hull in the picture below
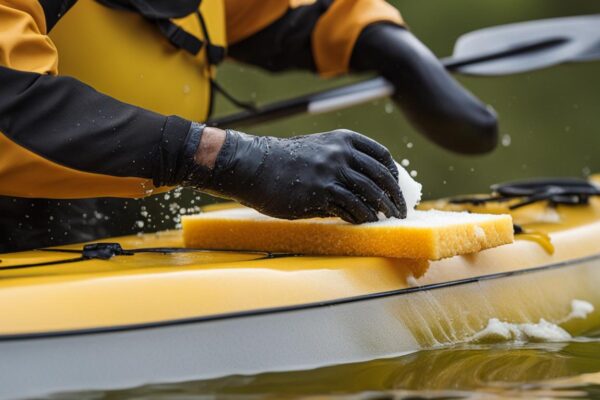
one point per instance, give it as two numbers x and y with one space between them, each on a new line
499 331
411 281
579 309
543 331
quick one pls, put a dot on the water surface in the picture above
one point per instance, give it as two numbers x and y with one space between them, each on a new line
502 370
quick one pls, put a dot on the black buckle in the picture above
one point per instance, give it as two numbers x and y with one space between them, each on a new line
104 251
215 54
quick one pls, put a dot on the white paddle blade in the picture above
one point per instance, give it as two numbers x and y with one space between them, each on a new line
577 39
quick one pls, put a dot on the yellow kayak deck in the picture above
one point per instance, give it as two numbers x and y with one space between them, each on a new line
71 294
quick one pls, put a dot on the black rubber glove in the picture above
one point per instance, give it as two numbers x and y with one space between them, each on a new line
339 173
433 101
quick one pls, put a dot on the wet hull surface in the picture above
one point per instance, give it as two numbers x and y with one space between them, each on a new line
351 330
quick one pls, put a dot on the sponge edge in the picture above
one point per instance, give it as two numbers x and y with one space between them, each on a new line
426 235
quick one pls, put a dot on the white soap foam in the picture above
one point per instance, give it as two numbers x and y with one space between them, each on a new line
411 281
479 232
550 215
579 309
437 218
416 219
411 189
499 331
543 331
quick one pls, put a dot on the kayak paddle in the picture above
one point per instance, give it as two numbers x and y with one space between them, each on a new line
495 51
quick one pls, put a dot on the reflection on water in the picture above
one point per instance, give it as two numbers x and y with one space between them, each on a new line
540 370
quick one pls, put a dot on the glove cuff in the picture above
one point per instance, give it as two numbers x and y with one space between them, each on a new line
175 152
237 167
190 171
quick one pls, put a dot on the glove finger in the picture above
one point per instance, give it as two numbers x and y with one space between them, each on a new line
358 210
371 194
339 211
376 151
382 177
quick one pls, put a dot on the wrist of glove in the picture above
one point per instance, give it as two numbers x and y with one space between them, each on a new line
432 100
339 173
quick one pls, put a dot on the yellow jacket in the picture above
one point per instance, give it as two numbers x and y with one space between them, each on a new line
112 115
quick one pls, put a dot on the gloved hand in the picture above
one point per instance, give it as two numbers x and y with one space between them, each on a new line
433 101
339 173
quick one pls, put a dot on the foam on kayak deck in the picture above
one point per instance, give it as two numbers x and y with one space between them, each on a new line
429 235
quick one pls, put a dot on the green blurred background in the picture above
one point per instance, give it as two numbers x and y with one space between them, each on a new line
549 119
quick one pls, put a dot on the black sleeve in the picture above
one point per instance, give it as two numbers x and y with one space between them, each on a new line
286 43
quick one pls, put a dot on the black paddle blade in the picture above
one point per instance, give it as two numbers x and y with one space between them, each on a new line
546 43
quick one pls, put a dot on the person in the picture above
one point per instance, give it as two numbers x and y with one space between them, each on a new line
107 99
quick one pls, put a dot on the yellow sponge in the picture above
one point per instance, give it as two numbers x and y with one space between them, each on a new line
430 235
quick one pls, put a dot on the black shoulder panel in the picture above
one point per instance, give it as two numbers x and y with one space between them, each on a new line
54 10
286 43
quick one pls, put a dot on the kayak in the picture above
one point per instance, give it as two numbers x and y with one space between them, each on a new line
142 309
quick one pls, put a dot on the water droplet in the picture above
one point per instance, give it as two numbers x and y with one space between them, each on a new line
413 173
586 171
409 145
389 107
506 140
405 163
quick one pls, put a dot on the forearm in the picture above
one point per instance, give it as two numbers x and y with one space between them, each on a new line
210 144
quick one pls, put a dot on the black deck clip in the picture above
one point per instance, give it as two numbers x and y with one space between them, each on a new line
104 251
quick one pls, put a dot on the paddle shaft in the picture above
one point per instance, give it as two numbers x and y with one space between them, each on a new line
362 92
